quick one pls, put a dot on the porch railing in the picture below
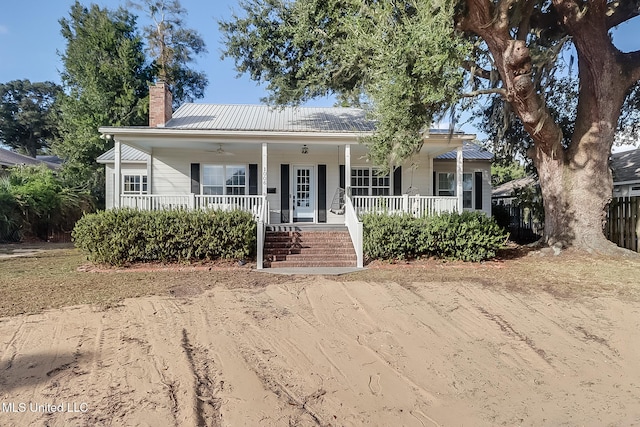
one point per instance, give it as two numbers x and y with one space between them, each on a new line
417 206
251 204
354 225
154 202
262 221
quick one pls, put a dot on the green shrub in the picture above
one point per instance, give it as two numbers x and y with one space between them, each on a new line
470 236
122 236
34 201
10 217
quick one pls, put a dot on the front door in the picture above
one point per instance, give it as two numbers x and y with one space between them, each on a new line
303 194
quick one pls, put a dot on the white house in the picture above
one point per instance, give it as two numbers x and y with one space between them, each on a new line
288 166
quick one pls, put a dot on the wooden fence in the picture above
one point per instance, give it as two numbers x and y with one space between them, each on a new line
623 222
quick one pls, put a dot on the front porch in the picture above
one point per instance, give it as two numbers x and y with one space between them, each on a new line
352 210
417 206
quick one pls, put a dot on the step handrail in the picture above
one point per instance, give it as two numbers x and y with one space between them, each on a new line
355 229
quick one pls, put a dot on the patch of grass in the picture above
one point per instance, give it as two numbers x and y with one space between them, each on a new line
569 275
51 279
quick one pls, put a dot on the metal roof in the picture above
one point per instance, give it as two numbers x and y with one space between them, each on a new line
127 154
626 166
11 158
274 119
470 151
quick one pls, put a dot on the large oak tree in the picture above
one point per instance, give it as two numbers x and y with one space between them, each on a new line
411 61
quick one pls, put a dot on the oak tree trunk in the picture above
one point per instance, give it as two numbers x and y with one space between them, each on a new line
575 181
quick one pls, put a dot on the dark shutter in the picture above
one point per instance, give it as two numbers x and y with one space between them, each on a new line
397 181
342 177
253 179
195 178
322 193
284 193
435 183
478 190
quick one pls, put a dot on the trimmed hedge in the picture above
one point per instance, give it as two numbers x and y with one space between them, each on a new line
470 236
122 236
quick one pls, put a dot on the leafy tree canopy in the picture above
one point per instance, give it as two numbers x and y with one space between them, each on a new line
410 62
105 78
173 48
506 171
28 116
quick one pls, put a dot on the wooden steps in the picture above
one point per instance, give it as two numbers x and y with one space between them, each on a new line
308 246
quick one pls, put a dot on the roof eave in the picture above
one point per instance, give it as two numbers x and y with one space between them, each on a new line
168 132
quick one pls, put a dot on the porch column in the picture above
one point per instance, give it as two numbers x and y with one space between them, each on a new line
149 172
347 170
459 175
264 168
117 184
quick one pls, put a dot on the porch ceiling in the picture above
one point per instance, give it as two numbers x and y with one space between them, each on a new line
146 139
434 146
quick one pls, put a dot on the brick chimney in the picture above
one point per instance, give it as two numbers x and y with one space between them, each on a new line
160 101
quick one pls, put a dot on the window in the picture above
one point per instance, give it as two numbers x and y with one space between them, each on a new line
379 184
360 181
446 184
219 179
467 191
236 179
447 187
367 182
134 184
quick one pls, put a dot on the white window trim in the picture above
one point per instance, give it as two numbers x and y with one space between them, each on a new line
473 193
370 187
224 169
142 176
438 188
455 187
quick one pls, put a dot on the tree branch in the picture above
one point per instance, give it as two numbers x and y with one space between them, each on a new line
476 70
547 24
631 63
525 24
502 15
621 11
499 91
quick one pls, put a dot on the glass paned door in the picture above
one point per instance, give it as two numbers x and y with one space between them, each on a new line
303 194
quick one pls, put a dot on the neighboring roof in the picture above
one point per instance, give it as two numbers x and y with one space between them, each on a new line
11 158
265 118
508 188
127 154
54 160
470 151
626 166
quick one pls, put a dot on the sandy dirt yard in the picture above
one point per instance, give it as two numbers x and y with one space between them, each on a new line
323 352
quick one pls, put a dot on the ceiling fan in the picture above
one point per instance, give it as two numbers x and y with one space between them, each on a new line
221 152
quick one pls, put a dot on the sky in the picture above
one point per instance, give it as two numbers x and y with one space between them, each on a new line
30 41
